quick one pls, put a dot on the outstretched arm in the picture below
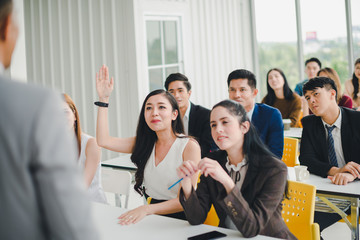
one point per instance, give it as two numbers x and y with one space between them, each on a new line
104 87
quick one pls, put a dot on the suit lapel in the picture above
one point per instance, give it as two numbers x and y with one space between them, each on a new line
321 137
192 116
345 136
255 114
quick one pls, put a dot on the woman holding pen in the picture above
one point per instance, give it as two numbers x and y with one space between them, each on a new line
158 148
244 181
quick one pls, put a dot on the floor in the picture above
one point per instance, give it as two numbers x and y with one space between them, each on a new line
335 232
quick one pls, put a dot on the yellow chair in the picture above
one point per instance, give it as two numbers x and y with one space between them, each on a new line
298 211
212 218
291 152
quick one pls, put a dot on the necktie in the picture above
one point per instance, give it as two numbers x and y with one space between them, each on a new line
332 154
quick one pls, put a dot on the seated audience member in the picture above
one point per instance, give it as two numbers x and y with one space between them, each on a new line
312 66
42 195
266 119
352 86
157 150
342 100
195 117
330 140
280 96
89 153
243 180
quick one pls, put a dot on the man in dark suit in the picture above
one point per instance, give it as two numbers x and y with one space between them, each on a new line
42 193
266 119
196 118
330 140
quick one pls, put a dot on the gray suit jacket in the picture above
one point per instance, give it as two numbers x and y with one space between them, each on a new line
42 195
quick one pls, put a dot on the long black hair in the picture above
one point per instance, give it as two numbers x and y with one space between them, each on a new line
146 138
271 97
355 81
253 145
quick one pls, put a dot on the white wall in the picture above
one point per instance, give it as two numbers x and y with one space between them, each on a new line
68 40
66 44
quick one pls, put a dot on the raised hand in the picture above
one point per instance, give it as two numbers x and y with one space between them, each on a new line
104 87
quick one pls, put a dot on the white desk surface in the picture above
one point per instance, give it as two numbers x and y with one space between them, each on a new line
123 162
151 227
324 185
293 132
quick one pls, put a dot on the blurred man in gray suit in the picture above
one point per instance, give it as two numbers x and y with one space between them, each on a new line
41 193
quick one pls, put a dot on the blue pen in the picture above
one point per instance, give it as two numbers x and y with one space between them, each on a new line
175 183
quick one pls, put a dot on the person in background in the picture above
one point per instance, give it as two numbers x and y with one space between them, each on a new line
195 117
42 195
244 181
89 153
342 100
312 66
330 139
352 86
266 119
280 96
159 147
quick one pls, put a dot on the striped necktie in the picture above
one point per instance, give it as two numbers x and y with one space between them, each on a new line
330 142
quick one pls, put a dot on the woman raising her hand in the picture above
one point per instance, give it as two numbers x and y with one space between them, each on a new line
158 148
243 180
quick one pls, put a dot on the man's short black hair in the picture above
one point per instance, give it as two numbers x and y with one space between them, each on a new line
319 82
244 74
177 77
313 59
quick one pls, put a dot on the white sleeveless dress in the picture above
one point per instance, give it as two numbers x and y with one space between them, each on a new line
157 179
95 189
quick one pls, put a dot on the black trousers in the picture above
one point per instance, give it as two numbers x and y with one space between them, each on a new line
178 215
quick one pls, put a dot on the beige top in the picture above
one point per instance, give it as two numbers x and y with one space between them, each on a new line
290 109
349 90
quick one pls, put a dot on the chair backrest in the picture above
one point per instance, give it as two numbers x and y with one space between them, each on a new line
298 211
116 181
212 217
290 153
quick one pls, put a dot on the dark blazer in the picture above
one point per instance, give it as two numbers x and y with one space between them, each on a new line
314 150
256 209
270 127
199 127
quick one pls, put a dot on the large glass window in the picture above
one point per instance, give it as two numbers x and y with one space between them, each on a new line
355 6
324 33
277 40
163 49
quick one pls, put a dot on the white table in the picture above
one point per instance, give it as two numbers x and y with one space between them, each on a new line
122 162
151 227
293 132
326 189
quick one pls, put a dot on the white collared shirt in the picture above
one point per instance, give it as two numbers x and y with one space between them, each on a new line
336 133
186 119
250 113
237 174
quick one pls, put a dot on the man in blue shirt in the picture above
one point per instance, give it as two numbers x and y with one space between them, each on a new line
312 66
266 119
